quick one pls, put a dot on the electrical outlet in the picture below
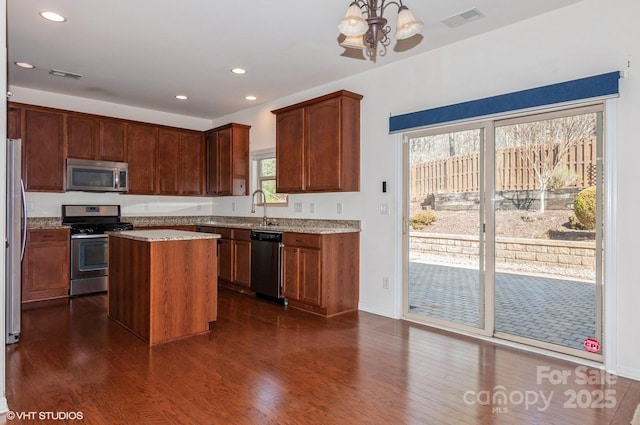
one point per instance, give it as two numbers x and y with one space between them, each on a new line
385 282
312 207
297 207
384 209
233 206
339 208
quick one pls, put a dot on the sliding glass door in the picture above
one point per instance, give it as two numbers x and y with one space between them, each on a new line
446 247
504 234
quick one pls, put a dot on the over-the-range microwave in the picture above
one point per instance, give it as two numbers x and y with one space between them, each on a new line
97 176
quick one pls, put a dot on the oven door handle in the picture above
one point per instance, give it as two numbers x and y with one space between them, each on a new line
84 236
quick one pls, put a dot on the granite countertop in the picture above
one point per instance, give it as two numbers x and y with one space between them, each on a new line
282 228
161 235
317 226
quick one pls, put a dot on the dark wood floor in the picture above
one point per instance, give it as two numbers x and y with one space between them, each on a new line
262 363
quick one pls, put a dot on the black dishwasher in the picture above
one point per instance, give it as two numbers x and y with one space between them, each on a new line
266 265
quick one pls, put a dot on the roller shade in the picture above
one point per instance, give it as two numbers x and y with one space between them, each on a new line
585 88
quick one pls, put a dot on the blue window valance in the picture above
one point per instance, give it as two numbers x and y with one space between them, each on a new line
581 89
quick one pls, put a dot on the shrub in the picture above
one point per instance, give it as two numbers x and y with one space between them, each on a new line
419 221
584 209
563 177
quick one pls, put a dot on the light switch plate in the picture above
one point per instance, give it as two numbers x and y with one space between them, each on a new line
312 207
339 208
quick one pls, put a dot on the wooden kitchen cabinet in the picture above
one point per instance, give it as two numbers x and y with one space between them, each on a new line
94 138
169 164
142 155
14 121
111 140
43 150
81 137
318 144
234 256
301 274
227 160
192 163
289 151
45 267
320 272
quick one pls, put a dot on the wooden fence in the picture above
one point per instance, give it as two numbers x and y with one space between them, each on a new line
461 173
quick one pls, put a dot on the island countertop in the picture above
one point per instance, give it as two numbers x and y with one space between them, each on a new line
160 235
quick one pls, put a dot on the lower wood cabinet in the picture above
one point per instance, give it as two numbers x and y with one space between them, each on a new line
234 256
45 267
320 272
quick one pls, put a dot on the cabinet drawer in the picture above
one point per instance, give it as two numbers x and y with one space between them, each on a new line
302 239
242 234
225 233
46 235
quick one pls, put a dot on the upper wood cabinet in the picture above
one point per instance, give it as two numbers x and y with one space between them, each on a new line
180 162
162 160
94 138
318 144
193 163
142 155
111 140
168 162
43 150
227 159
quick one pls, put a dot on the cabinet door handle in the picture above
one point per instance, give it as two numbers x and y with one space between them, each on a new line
295 250
298 240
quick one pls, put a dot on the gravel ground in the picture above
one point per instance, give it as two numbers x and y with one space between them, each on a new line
552 224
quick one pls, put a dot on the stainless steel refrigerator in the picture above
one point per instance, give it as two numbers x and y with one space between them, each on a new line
16 238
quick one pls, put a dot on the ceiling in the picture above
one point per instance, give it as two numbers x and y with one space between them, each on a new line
142 53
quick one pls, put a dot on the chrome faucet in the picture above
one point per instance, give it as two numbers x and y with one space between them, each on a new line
265 220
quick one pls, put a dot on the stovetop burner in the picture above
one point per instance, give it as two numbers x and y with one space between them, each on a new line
99 228
93 219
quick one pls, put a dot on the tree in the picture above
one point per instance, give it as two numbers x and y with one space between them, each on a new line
546 143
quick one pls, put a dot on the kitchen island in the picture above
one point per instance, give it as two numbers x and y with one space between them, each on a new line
163 283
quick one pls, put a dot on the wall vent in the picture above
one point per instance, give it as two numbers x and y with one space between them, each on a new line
65 74
463 18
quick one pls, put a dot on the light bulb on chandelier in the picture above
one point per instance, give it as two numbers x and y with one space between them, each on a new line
365 28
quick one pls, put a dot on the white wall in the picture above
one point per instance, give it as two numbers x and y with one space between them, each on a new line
588 38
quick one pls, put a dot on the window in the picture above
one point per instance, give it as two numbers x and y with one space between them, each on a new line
265 172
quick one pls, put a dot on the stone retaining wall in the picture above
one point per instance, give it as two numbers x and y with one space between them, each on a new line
571 259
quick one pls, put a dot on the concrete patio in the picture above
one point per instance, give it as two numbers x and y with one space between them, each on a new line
558 311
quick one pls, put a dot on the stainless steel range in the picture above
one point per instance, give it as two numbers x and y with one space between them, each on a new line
89 244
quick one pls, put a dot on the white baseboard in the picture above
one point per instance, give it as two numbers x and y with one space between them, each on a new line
628 372
376 311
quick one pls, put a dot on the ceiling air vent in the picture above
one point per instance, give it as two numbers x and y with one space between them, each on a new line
65 74
463 18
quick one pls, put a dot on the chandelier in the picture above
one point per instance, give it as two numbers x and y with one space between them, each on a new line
367 33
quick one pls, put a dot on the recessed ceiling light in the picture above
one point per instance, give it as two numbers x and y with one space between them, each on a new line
52 16
181 97
250 97
239 71
25 65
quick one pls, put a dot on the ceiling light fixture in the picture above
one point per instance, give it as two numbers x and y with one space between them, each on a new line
250 97
239 71
25 65
181 97
366 33
52 16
